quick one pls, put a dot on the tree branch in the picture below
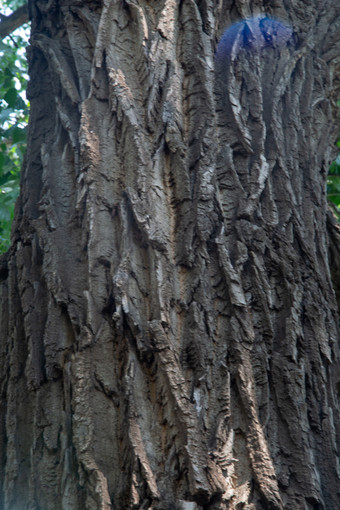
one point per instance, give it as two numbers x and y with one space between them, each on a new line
10 23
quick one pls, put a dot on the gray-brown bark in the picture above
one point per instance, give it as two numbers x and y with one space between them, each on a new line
169 329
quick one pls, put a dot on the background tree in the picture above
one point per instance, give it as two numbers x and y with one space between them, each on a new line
169 328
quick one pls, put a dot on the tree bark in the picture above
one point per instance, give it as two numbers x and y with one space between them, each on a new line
169 327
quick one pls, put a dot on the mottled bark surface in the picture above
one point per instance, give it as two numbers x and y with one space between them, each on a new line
169 329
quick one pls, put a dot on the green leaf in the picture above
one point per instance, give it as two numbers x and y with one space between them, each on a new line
5 114
5 214
6 189
8 73
11 97
18 134
333 169
20 103
4 178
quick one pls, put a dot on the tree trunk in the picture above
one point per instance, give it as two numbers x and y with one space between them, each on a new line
169 328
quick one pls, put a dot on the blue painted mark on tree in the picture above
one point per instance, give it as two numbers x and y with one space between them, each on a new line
253 35
250 61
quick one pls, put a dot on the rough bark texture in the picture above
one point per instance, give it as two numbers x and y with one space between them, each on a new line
169 329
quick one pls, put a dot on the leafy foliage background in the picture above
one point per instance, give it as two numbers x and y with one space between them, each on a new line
333 180
14 110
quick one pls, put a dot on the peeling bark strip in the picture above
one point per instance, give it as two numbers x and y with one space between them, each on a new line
169 330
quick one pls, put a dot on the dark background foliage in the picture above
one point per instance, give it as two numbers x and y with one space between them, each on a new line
14 110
